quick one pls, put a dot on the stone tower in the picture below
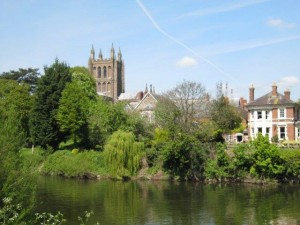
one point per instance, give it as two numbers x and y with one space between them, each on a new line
108 73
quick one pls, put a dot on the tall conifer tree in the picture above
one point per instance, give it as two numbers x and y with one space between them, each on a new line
44 127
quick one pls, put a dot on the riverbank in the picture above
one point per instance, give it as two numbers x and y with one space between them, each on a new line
238 168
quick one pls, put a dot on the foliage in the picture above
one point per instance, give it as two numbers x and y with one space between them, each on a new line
17 179
67 164
16 101
49 219
184 157
85 81
219 168
123 154
9 213
225 115
208 131
291 164
73 111
106 118
154 153
167 114
28 76
44 127
267 161
242 160
85 218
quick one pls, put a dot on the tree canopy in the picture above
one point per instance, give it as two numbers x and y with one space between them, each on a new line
44 127
29 76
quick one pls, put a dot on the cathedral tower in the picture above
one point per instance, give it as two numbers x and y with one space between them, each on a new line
108 73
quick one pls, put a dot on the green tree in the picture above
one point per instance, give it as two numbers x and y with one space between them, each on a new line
29 76
72 113
85 80
17 99
16 181
44 127
267 162
123 154
185 157
167 115
225 115
105 118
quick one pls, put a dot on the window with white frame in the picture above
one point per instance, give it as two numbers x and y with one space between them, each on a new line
298 133
259 114
281 113
282 132
268 131
267 115
259 130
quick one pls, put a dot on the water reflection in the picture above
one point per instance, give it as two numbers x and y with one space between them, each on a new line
144 202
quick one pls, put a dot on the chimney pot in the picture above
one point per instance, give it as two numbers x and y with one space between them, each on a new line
251 93
287 94
274 90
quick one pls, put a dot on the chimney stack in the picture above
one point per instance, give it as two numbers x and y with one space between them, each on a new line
287 94
251 93
274 90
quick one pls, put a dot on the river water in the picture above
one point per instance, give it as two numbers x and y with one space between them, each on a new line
162 202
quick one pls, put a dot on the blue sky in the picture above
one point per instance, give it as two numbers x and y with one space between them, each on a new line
163 42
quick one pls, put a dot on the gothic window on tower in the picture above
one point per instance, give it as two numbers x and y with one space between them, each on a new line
99 87
104 72
104 87
99 72
108 87
109 71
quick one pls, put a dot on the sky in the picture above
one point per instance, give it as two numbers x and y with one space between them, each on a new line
163 42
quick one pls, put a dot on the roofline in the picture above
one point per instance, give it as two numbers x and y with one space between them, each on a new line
271 105
144 98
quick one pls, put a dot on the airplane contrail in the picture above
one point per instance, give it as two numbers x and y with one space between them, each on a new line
156 25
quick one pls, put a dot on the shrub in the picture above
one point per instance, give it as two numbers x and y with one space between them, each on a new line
123 154
291 164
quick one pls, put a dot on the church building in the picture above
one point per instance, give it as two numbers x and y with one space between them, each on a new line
108 73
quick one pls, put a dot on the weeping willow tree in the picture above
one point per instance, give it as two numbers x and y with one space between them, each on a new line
123 154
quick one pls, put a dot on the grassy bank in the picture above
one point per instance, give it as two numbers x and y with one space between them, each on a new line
85 164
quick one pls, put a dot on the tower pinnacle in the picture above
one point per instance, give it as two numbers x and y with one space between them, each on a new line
92 53
112 51
100 55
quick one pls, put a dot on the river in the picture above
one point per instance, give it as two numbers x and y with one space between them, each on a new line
162 202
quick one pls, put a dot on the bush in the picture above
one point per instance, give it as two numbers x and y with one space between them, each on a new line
184 157
219 168
267 162
291 164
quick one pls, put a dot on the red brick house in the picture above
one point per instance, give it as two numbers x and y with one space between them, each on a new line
273 114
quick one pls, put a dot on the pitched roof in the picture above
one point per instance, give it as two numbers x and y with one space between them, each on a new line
269 99
148 94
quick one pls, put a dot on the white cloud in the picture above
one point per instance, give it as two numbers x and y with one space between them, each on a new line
187 62
289 81
280 24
